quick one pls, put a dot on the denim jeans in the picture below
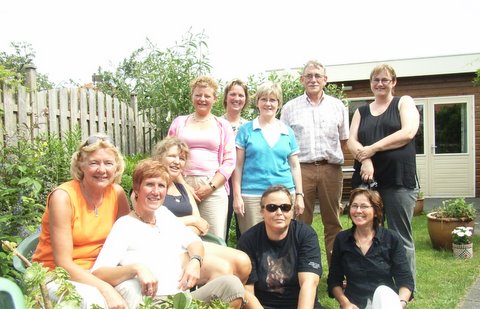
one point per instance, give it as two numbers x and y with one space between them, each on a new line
398 203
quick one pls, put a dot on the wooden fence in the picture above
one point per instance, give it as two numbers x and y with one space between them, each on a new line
57 111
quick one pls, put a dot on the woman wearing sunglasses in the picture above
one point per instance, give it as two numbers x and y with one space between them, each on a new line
285 255
370 258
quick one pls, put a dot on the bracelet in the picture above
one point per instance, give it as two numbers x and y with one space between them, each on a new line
300 193
198 258
212 185
404 301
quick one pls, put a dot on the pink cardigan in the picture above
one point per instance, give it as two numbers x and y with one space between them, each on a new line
227 157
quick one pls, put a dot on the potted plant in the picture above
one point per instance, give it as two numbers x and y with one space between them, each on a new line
462 242
419 203
444 219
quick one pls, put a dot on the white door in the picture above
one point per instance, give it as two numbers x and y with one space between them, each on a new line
446 146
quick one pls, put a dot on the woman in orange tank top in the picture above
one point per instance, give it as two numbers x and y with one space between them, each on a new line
79 216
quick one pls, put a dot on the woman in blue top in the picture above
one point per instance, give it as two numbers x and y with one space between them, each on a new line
266 155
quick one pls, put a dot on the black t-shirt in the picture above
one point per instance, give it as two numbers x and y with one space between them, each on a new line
276 264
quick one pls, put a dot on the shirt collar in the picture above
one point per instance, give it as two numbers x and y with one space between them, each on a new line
283 127
377 238
310 102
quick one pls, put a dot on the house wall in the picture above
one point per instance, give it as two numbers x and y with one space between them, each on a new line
429 86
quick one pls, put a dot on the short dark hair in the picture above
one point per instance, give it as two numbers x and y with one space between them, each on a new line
275 188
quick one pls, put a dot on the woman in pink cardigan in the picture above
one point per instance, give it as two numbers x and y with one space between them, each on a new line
212 151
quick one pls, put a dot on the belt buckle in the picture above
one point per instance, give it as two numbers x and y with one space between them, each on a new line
320 162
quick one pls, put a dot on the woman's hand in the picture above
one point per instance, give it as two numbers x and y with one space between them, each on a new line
367 170
192 191
238 206
350 306
148 281
364 152
202 225
299 205
113 298
203 191
190 275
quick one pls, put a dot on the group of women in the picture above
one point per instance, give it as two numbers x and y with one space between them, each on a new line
115 255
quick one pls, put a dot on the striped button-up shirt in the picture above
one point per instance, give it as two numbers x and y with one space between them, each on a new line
318 128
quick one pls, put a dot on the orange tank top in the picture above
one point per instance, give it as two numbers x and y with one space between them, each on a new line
89 230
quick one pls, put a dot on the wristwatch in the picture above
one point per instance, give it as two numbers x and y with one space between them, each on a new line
212 185
300 193
198 258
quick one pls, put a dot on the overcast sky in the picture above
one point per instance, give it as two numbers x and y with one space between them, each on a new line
73 38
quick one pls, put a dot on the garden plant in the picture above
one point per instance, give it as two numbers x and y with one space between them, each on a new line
31 168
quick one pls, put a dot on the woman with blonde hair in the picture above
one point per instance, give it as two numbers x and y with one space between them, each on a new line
212 151
266 155
79 215
382 140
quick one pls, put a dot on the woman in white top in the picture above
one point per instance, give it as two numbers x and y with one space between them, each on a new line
235 99
150 252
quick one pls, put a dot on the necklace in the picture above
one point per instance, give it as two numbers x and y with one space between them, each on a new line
143 220
87 198
200 120
364 243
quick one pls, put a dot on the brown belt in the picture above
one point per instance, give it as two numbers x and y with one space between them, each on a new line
321 162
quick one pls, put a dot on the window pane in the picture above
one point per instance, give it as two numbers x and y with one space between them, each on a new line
451 128
354 104
419 138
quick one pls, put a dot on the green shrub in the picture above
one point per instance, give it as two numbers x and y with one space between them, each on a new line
29 170
130 163
456 208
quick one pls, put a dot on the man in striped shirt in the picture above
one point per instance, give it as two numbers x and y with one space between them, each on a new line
320 123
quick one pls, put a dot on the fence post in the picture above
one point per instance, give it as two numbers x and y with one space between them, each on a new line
138 138
30 76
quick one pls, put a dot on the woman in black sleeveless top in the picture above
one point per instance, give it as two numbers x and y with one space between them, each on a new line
219 260
382 142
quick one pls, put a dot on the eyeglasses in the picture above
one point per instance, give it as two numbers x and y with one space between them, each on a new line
384 81
274 207
312 76
361 207
94 138
269 100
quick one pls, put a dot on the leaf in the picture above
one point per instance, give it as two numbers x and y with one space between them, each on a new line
182 300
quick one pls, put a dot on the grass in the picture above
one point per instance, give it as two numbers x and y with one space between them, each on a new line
442 280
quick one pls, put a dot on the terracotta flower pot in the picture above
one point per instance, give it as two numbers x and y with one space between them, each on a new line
440 230
418 207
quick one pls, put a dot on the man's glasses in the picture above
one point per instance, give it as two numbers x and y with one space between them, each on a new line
94 138
312 76
384 81
274 207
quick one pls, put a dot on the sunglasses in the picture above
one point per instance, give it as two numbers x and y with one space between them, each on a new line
274 207
93 139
